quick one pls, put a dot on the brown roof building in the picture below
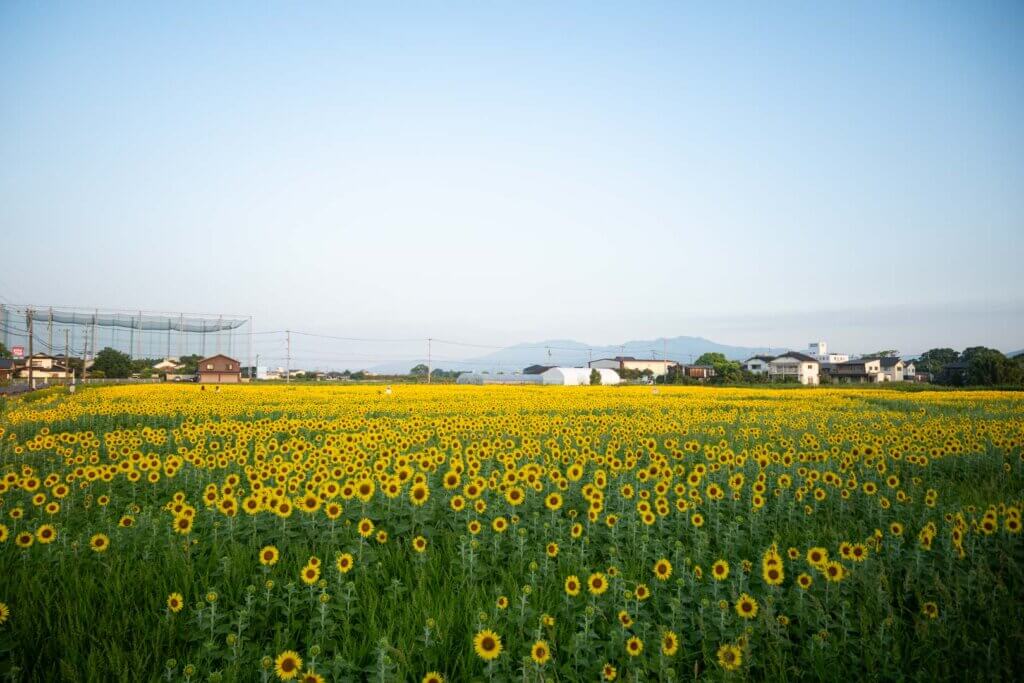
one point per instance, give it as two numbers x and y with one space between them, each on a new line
219 369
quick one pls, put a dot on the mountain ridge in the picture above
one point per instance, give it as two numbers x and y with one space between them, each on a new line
682 349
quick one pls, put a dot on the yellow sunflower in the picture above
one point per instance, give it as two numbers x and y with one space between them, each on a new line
175 602
288 665
540 652
269 556
730 657
487 644
99 543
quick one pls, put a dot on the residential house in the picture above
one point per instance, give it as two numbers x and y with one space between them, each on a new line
699 372
909 371
859 370
892 369
619 363
220 369
758 365
44 367
168 365
795 366
6 369
955 373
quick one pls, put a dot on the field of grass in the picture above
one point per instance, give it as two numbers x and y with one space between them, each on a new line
511 533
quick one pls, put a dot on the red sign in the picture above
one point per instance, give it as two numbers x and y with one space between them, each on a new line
18 351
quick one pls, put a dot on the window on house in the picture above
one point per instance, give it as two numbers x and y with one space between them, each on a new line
209 366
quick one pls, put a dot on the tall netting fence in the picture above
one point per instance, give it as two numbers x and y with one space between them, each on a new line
82 332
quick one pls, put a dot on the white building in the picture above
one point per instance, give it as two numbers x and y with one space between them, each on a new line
860 370
657 367
578 376
759 365
892 369
909 371
819 350
793 365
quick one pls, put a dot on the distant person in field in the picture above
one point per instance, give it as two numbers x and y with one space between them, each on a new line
387 391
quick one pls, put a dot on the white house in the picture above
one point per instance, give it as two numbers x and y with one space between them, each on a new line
909 371
578 376
44 368
798 366
892 369
758 364
167 364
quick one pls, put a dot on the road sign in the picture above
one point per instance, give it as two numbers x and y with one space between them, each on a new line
18 352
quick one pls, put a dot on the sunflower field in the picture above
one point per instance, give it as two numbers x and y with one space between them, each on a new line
450 533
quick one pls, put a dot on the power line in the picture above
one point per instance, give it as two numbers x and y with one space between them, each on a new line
357 339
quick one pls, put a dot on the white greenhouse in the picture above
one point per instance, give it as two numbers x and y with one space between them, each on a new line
578 376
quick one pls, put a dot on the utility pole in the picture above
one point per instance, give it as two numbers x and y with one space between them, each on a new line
92 346
49 330
67 358
31 338
85 354
252 371
288 369
430 366
590 357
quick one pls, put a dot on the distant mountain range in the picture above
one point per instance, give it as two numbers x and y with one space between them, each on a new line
574 353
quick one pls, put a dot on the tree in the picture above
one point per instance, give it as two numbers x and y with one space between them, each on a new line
934 360
4 352
420 370
595 377
189 364
970 352
725 370
885 353
112 363
711 359
988 367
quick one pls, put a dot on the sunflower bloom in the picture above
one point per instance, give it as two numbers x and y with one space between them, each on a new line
487 645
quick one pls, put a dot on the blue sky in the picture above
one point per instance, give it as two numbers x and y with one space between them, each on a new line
523 171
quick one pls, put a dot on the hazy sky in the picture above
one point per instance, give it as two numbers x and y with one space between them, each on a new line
513 172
